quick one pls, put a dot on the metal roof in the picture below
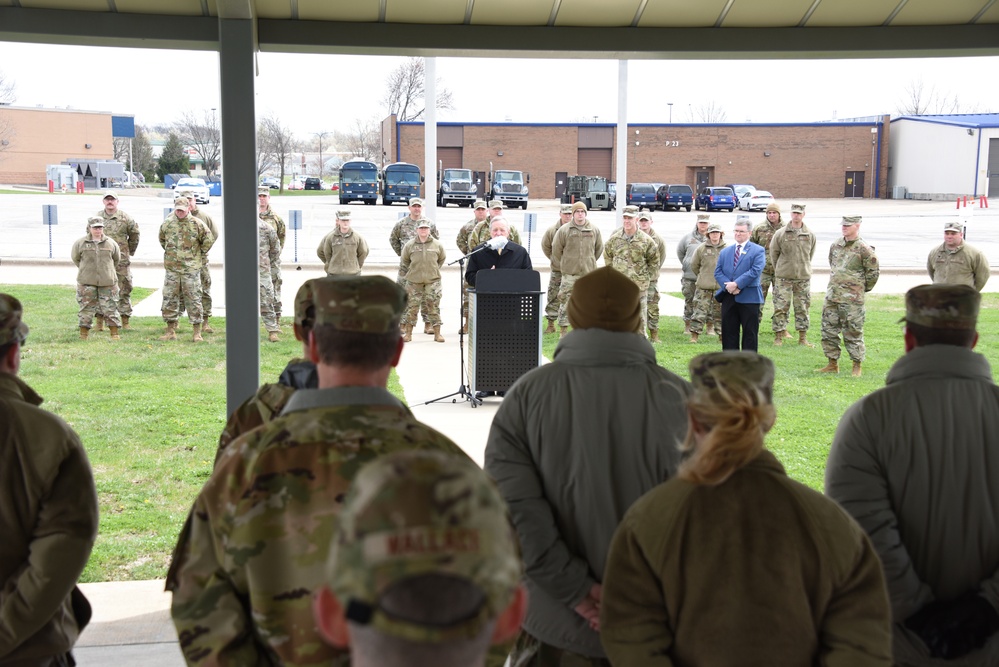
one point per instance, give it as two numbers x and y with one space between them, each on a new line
979 120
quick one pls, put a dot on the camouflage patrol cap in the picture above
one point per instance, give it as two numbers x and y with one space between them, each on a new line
343 214
263 190
797 208
579 206
496 203
953 226
630 211
12 329
303 302
851 220
95 221
645 215
479 203
942 306
703 217
773 206
423 223
363 304
416 201
180 203
109 194
715 227
732 370
605 299
414 513
565 208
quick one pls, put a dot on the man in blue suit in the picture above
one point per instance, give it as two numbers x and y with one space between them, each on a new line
738 272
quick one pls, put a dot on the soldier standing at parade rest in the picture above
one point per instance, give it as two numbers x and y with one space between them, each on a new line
853 272
404 232
422 259
255 547
268 252
206 275
762 235
480 233
436 607
185 240
97 256
480 213
120 226
265 211
652 297
48 516
343 250
576 248
688 279
955 262
791 250
706 309
555 275
633 252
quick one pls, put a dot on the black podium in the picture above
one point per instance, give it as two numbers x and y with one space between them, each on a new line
504 328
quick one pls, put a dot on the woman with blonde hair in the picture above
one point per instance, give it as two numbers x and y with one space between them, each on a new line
732 562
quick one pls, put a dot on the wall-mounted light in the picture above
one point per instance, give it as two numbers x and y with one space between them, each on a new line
636 143
499 153
87 146
971 132
637 132
766 153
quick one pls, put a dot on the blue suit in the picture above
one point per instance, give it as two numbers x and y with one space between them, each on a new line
742 310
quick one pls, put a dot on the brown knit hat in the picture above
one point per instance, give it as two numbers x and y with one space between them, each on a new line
605 299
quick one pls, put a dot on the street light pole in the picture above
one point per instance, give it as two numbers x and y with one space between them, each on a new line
670 111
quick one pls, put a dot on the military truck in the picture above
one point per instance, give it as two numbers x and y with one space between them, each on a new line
509 186
455 186
591 190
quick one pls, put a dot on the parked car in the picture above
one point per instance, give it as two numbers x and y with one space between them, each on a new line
335 187
740 189
757 200
675 196
296 184
195 185
715 198
313 183
270 182
641 194
612 191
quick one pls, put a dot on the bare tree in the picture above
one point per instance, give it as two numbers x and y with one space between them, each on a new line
277 142
203 135
405 93
709 112
7 90
918 100
7 97
362 142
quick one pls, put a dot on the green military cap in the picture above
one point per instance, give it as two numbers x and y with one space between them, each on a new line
363 304
715 227
703 217
416 201
565 208
95 221
733 370
12 329
414 513
479 203
953 226
797 208
496 203
605 299
579 206
180 203
263 190
630 211
774 206
851 220
187 193
942 306
343 214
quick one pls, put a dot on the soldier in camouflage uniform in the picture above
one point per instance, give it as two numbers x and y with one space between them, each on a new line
576 249
255 546
274 220
97 257
443 579
633 252
703 263
404 232
555 276
792 248
421 262
343 250
184 239
121 227
206 275
761 236
853 271
268 252
481 214
652 295
955 262
480 233
688 279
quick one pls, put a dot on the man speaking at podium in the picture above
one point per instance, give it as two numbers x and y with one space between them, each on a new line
499 252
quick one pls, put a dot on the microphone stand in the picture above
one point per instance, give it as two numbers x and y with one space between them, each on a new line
463 390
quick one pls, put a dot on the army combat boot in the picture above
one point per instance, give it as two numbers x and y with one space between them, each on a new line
438 338
710 331
654 336
562 331
196 338
272 336
99 325
686 327
114 333
428 328
551 327
407 333
84 333
694 336
124 322
787 334
803 340
856 370
831 367
778 338
171 332
205 327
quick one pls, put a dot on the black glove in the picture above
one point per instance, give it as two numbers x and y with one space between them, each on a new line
928 622
971 622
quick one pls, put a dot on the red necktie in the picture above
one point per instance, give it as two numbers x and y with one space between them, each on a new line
736 263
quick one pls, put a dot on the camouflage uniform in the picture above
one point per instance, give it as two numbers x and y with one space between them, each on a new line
268 252
555 277
853 272
343 254
404 232
480 233
576 249
791 251
97 281
275 221
706 309
965 265
637 257
652 294
761 235
206 274
462 242
688 279
421 263
125 231
184 243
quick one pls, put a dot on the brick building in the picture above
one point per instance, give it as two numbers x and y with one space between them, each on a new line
792 160
31 139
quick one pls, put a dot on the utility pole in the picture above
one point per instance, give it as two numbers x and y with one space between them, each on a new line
320 136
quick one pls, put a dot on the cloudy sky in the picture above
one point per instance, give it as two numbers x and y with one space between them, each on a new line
141 82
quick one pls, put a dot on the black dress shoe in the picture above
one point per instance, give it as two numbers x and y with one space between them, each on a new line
501 394
483 394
